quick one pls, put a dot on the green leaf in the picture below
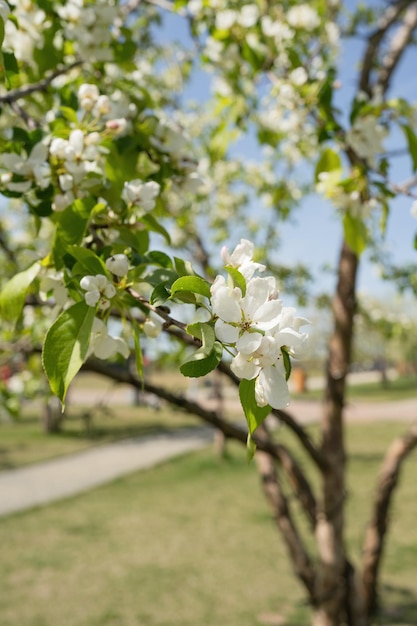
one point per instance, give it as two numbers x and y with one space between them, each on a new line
69 114
329 161
1 31
355 233
237 277
204 332
254 414
287 362
13 294
250 448
66 345
159 258
87 263
200 363
138 353
415 242
183 268
155 226
159 295
411 138
195 284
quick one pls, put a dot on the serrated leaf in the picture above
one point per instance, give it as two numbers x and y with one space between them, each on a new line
254 414
195 284
200 363
237 277
13 294
66 346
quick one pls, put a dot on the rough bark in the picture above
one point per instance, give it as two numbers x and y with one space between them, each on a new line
378 524
331 582
299 557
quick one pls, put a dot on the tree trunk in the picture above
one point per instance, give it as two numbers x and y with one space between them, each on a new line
378 524
332 588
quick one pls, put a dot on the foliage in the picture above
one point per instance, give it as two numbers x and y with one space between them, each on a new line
119 193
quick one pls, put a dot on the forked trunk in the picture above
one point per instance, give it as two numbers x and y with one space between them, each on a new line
333 578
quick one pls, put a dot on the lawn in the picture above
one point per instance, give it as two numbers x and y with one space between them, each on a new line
110 415
189 543
401 388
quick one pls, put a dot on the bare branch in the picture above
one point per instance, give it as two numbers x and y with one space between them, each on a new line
378 524
299 557
391 14
42 85
405 187
397 48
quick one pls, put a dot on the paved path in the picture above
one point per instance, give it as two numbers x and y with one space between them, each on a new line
27 487
39 484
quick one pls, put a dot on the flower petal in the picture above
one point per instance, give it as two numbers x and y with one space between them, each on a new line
271 387
225 332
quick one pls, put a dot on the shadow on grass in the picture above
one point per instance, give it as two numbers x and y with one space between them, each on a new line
398 606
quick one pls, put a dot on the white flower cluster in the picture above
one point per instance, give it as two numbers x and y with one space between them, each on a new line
34 167
366 137
91 26
75 157
25 32
141 194
99 289
257 326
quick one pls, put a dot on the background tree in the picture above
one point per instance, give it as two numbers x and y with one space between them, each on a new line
128 192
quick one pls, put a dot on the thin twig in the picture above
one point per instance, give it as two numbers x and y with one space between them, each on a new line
22 92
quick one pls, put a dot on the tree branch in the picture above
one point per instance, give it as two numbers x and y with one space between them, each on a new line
42 85
299 557
391 14
378 524
397 48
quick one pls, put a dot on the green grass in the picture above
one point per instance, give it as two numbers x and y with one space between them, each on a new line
189 543
23 441
402 388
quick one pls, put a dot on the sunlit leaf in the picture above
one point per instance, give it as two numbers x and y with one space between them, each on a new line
66 346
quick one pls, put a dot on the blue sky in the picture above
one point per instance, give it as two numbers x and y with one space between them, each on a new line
314 235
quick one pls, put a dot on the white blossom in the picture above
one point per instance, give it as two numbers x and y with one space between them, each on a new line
303 16
99 290
257 326
140 193
366 137
118 264
103 345
248 16
241 259
87 96
4 10
226 19
35 167
153 325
